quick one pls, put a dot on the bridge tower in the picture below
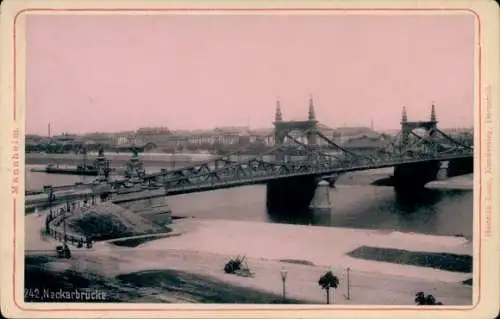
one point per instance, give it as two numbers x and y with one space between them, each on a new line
294 192
309 126
311 134
408 126
414 176
278 118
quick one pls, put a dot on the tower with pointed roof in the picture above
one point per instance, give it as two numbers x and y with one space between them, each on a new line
278 116
312 116
433 121
407 127
404 127
308 127
433 113
311 136
404 117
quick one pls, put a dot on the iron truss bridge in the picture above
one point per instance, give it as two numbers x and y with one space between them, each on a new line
294 157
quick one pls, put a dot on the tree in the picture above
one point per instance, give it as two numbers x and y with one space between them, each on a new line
422 300
327 281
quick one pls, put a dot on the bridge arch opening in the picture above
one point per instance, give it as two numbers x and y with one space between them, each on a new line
295 134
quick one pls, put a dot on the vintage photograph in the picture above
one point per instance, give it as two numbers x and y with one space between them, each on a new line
257 157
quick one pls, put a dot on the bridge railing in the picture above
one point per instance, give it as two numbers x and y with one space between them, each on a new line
232 177
74 240
233 172
52 222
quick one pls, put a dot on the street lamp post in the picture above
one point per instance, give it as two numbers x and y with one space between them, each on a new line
64 228
283 273
348 284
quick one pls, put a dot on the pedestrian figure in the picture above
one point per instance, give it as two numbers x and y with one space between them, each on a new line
89 242
47 224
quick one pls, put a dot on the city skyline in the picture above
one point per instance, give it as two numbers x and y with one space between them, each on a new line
107 68
215 129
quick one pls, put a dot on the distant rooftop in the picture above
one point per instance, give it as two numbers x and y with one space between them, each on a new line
366 142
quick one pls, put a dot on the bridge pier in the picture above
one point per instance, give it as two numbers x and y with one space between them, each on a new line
443 171
321 199
292 193
460 166
415 176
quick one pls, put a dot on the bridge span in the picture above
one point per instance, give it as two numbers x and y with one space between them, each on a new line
294 166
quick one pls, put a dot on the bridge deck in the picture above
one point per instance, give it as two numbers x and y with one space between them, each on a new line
227 178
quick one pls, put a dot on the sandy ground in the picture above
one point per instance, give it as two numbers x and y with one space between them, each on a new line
323 246
205 245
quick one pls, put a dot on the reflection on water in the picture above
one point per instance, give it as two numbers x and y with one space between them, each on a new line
429 211
413 201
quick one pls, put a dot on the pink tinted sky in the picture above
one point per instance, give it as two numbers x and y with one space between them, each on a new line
113 73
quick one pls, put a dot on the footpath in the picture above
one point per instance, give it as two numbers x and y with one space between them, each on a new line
43 236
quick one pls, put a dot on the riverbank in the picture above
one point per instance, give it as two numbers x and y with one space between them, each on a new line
117 160
204 246
322 246
118 165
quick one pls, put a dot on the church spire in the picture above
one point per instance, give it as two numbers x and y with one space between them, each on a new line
404 118
278 117
312 116
433 113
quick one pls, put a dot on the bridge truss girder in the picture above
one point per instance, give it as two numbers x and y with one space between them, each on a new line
296 158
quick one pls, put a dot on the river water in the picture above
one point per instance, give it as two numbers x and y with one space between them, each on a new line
355 204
